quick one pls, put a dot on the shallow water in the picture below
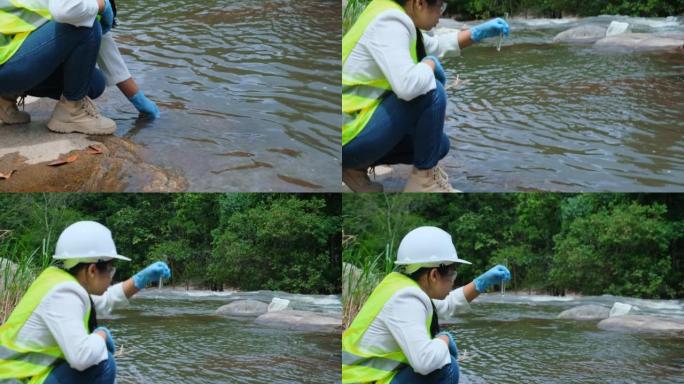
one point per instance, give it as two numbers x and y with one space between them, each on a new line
174 336
249 92
518 339
544 116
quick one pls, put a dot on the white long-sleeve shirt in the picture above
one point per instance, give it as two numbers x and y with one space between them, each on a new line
82 13
401 325
383 50
58 319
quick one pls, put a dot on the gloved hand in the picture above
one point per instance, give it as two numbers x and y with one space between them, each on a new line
145 105
491 28
439 71
151 274
492 277
107 17
453 349
111 347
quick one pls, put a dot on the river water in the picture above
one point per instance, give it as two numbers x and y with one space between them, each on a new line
545 116
518 339
173 336
249 91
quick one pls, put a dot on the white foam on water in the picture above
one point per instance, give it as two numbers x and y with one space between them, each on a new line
209 293
544 299
545 23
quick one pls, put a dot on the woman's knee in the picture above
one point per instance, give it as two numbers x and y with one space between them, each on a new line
84 34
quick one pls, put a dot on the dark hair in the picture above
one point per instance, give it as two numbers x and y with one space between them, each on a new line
102 267
420 46
442 270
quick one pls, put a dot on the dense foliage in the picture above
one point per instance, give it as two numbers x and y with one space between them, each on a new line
484 9
557 8
247 241
621 244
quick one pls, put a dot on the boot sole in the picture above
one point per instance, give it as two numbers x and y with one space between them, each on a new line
10 122
67 128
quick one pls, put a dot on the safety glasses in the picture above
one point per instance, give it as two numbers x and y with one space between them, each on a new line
112 272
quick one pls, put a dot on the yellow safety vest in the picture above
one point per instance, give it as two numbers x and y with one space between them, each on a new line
32 364
360 366
361 96
18 18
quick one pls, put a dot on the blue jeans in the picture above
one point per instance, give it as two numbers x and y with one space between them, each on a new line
56 59
448 374
402 132
103 373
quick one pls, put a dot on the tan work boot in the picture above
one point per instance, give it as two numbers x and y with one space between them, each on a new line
80 116
10 114
358 181
429 180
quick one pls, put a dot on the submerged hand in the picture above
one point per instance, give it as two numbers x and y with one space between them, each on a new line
145 105
492 277
439 71
151 274
491 28
109 340
107 17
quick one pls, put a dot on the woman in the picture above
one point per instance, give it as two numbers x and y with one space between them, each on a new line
393 98
395 337
52 336
50 50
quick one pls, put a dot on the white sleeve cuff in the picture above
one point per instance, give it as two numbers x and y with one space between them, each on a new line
443 45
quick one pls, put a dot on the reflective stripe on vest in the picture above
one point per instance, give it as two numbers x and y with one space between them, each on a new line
360 366
18 18
360 97
30 362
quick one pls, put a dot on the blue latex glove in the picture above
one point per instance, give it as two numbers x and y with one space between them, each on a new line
439 71
107 17
492 277
151 274
491 28
145 105
111 347
453 349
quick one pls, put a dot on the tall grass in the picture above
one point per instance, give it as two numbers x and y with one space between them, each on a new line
351 12
361 271
18 268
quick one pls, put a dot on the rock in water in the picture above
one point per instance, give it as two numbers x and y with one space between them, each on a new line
243 308
584 34
620 309
278 305
586 312
639 323
616 28
301 321
640 42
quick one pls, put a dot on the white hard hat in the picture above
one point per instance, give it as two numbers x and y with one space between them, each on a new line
428 247
86 242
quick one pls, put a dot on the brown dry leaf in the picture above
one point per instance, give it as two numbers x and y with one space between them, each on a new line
4 176
94 149
59 162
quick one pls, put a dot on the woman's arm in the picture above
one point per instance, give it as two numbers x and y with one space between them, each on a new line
79 13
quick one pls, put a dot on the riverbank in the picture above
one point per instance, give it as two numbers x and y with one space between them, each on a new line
37 159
